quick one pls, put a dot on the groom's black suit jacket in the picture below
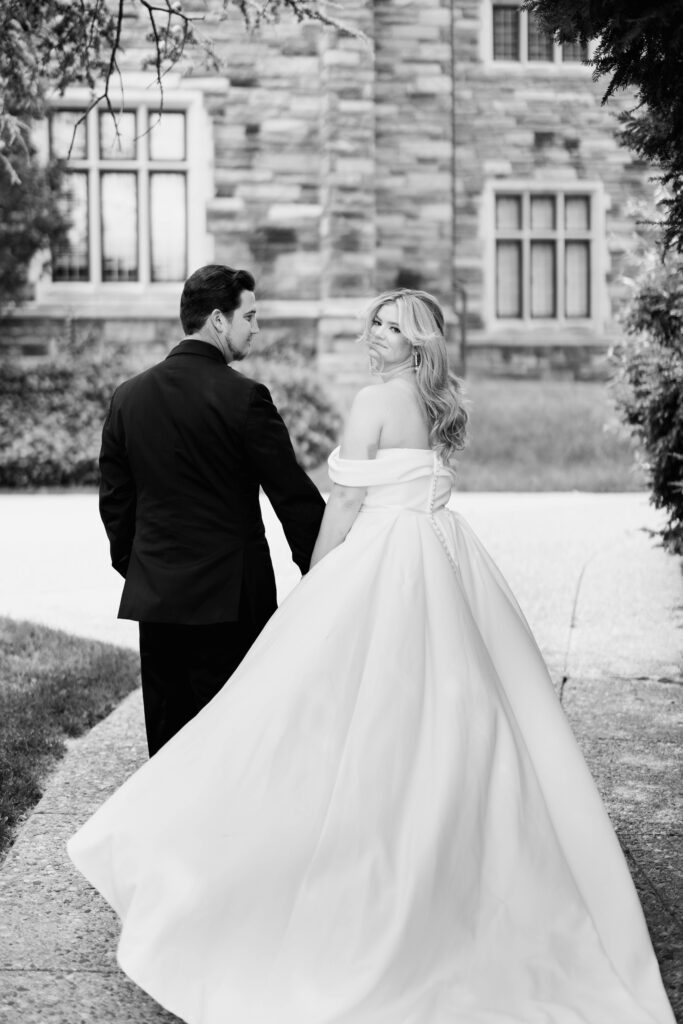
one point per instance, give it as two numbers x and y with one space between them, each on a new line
185 447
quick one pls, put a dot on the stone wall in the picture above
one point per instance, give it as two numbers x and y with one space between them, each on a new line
333 154
541 123
414 171
267 205
343 166
538 362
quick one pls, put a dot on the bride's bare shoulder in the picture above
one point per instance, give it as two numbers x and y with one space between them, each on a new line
368 402
372 396
364 423
369 391
375 402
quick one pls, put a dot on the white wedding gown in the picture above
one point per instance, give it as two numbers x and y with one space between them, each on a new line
383 817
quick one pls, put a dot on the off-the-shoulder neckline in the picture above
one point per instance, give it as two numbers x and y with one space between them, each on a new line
426 451
380 451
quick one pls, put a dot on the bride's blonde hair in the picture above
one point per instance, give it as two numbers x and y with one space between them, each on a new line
421 322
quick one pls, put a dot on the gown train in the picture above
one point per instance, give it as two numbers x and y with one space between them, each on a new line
383 817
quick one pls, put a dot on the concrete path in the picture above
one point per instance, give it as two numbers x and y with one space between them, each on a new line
604 602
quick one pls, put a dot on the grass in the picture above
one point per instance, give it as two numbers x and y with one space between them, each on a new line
546 436
52 686
540 435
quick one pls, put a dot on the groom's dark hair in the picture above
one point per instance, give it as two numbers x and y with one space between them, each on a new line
212 287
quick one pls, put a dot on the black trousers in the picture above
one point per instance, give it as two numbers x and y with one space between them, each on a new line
184 667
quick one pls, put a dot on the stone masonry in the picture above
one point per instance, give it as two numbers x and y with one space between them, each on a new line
343 165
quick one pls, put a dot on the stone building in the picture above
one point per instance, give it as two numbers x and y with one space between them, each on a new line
454 147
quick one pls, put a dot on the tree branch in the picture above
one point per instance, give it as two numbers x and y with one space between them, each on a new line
104 97
50 41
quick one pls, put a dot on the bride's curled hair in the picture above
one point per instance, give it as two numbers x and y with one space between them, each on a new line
422 323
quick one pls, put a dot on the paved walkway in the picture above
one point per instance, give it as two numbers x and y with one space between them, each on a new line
604 602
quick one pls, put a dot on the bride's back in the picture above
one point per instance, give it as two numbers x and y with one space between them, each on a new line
404 424
385 415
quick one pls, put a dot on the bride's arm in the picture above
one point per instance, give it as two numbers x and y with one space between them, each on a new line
360 441
342 508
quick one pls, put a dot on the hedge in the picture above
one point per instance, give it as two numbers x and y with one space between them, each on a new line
52 410
648 387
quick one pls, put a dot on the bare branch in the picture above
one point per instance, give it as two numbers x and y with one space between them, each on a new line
80 43
104 97
269 11
157 50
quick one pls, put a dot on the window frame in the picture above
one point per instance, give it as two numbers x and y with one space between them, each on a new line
557 64
197 168
595 236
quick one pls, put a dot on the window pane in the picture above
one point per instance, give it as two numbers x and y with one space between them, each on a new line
508 213
540 44
118 136
543 279
168 226
167 137
62 124
70 260
505 33
509 279
574 52
577 279
119 226
577 213
543 213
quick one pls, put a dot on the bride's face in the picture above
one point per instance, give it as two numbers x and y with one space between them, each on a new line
387 346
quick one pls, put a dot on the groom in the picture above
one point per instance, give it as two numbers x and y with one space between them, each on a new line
185 447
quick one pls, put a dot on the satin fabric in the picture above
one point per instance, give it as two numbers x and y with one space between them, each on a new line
383 817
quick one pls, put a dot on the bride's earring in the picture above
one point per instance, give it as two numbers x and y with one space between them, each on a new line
417 358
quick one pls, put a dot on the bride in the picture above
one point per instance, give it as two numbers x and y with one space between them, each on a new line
383 817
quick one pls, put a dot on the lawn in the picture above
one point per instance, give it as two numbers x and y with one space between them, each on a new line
52 686
546 436
541 435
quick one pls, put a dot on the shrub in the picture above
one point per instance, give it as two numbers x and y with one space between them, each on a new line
283 364
32 217
51 415
304 404
648 386
52 410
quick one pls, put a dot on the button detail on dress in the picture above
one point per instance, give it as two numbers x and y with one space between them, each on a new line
432 516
